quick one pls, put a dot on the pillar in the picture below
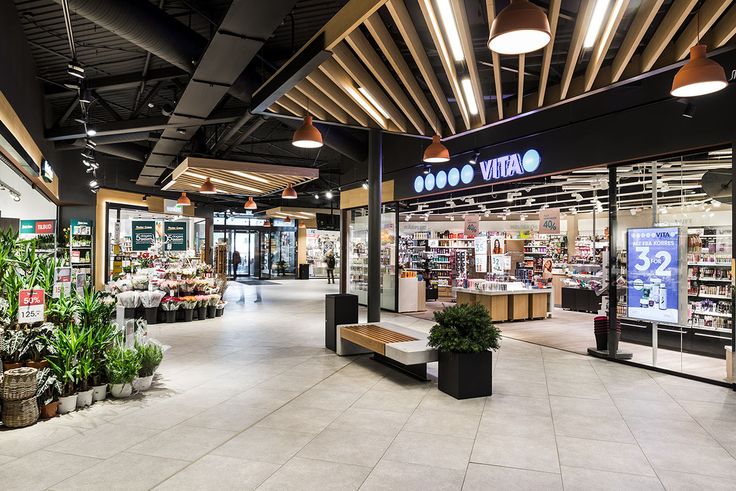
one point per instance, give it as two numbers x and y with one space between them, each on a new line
375 171
612 262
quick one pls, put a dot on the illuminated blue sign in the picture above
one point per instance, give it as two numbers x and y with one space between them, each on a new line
499 168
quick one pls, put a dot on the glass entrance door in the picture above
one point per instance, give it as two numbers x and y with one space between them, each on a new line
245 244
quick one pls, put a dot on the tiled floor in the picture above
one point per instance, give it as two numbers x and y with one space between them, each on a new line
252 400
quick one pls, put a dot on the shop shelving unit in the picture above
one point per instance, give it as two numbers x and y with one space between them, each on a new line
81 249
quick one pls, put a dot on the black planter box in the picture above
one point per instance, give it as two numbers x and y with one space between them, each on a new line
170 316
188 314
211 311
152 315
465 375
202 313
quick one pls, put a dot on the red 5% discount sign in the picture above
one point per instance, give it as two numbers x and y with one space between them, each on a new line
31 306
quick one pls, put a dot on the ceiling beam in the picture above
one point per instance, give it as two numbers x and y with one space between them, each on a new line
496 59
405 24
385 42
675 17
355 69
520 96
553 14
312 54
305 102
576 45
337 74
118 82
329 88
318 97
644 16
372 60
466 39
604 42
443 51
102 102
723 31
291 106
709 12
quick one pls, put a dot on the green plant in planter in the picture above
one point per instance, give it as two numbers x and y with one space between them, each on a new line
64 310
65 346
49 388
464 329
100 340
122 365
15 345
37 347
150 355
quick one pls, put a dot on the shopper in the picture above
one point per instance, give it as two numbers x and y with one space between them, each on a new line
235 262
330 267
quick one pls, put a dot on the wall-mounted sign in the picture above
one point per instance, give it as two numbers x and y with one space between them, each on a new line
549 221
62 280
472 225
31 306
37 227
47 172
143 234
504 167
176 236
654 287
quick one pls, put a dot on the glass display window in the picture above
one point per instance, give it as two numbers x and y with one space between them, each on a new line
319 243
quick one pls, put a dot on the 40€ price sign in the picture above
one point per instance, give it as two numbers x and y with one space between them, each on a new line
653 286
31 306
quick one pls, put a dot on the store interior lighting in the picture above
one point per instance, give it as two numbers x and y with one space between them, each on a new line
328 195
596 22
372 111
469 96
374 102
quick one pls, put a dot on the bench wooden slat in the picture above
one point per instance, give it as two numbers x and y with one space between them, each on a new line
374 338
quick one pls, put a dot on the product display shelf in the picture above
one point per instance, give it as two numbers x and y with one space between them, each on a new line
709 278
81 252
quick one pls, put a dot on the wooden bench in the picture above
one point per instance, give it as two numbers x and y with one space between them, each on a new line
391 344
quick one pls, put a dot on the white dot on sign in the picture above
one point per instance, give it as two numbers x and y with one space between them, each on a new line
441 180
419 184
453 177
466 175
531 160
429 182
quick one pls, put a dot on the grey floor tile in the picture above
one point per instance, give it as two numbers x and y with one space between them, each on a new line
318 475
264 445
524 452
604 456
432 450
390 476
517 405
228 416
183 442
302 419
105 441
689 432
682 481
389 400
215 472
41 470
325 399
667 410
708 461
347 447
578 479
482 477
443 423
516 425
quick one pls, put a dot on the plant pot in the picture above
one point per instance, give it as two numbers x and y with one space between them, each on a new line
188 315
49 410
121 390
151 315
84 398
465 375
211 311
142 383
67 404
10 365
38 365
129 313
170 316
99 392
180 314
202 313
219 312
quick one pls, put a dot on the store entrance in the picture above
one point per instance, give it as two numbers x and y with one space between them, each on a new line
244 243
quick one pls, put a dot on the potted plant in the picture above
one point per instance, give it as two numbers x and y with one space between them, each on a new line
150 302
129 300
14 348
64 348
188 304
464 336
101 338
84 372
170 305
150 356
122 366
37 347
220 308
47 393
202 301
213 300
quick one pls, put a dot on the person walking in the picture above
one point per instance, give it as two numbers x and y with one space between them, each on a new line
330 267
235 262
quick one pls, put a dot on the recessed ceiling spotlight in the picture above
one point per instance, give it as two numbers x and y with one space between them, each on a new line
452 218
316 196
181 131
408 217
91 132
427 169
151 105
487 213
365 185
328 195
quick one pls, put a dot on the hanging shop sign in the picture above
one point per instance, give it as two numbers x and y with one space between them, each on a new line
62 281
143 234
81 227
549 221
472 225
37 227
655 289
498 263
47 172
481 246
176 236
31 306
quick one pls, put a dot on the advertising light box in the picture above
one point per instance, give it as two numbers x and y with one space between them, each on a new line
656 286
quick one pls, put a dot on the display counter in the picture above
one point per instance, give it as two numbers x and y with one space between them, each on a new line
510 305
412 295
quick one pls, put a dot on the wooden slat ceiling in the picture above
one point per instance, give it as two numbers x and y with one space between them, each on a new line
402 59
237 178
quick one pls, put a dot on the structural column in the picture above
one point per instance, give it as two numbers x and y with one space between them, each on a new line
375 176
612 262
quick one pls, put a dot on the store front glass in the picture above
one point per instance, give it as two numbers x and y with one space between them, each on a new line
319 243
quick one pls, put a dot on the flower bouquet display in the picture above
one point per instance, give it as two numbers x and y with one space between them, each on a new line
150 302
140 282
202 301
187 305
170 287
220 308
187 286
170 305
129 300
213 300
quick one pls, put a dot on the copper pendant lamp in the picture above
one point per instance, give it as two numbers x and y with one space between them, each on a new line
287 219
183 200
307 136
250 204
521 27
289 193
207 187
699 76
436 152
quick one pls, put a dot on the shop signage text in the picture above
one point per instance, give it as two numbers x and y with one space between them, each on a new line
31 306
144 235
510 166
37 227
176 236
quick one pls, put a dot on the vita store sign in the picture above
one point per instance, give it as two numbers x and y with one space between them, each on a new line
497 169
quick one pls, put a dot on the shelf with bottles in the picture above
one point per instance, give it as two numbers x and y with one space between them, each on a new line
708 307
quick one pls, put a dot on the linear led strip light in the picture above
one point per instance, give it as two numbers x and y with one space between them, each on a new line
596 22
373 111
221 181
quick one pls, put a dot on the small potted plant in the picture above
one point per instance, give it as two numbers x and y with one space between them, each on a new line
37 347
64 348
85 368
122 366
101 338
170 305
464 336
150 356
129 300
213 300
47 393
187 305
202 301
150 302
220 308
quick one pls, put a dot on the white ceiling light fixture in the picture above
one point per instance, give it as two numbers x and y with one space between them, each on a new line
373 101
328 195
367 106
451 32
469 96
91 132
596 22
250 176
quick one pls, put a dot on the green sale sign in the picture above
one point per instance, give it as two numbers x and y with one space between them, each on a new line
176 236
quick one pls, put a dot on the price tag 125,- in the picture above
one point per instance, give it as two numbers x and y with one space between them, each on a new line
31 306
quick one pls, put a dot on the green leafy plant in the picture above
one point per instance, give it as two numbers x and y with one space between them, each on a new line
49 388
63 310
100 340
65 346
37 347
15 345
150 356
122 365
464 329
